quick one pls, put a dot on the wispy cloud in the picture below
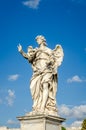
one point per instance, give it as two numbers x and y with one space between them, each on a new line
76 112
75 78
32 3
12 122
13 77
76 124
10 98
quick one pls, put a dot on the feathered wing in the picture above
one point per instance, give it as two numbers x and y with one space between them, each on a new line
58 55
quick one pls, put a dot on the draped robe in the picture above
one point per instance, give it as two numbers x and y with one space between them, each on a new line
43 72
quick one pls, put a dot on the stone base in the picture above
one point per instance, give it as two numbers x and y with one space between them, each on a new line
40 122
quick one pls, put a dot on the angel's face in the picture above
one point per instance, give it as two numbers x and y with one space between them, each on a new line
39 41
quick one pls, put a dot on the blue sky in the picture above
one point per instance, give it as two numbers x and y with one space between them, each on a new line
60 21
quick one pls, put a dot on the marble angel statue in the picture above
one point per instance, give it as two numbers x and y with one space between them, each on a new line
43 85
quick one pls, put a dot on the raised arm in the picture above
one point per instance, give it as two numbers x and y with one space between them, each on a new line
22 52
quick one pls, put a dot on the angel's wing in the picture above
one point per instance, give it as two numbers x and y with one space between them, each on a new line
58 55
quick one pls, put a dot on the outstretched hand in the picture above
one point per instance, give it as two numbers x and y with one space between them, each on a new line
19 47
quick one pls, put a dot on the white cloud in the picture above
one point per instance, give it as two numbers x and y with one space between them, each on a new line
76 112
75 78
11 122
76 124
10 98
32 3
65 111
13 77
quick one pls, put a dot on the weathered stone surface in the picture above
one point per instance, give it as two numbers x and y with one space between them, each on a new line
44 81
41 122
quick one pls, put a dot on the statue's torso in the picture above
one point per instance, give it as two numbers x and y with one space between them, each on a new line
42 57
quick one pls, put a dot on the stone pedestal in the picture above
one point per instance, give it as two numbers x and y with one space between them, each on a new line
40 122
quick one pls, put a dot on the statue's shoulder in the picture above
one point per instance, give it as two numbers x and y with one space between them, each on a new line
47 48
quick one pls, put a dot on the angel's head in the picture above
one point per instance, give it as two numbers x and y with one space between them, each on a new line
41 40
